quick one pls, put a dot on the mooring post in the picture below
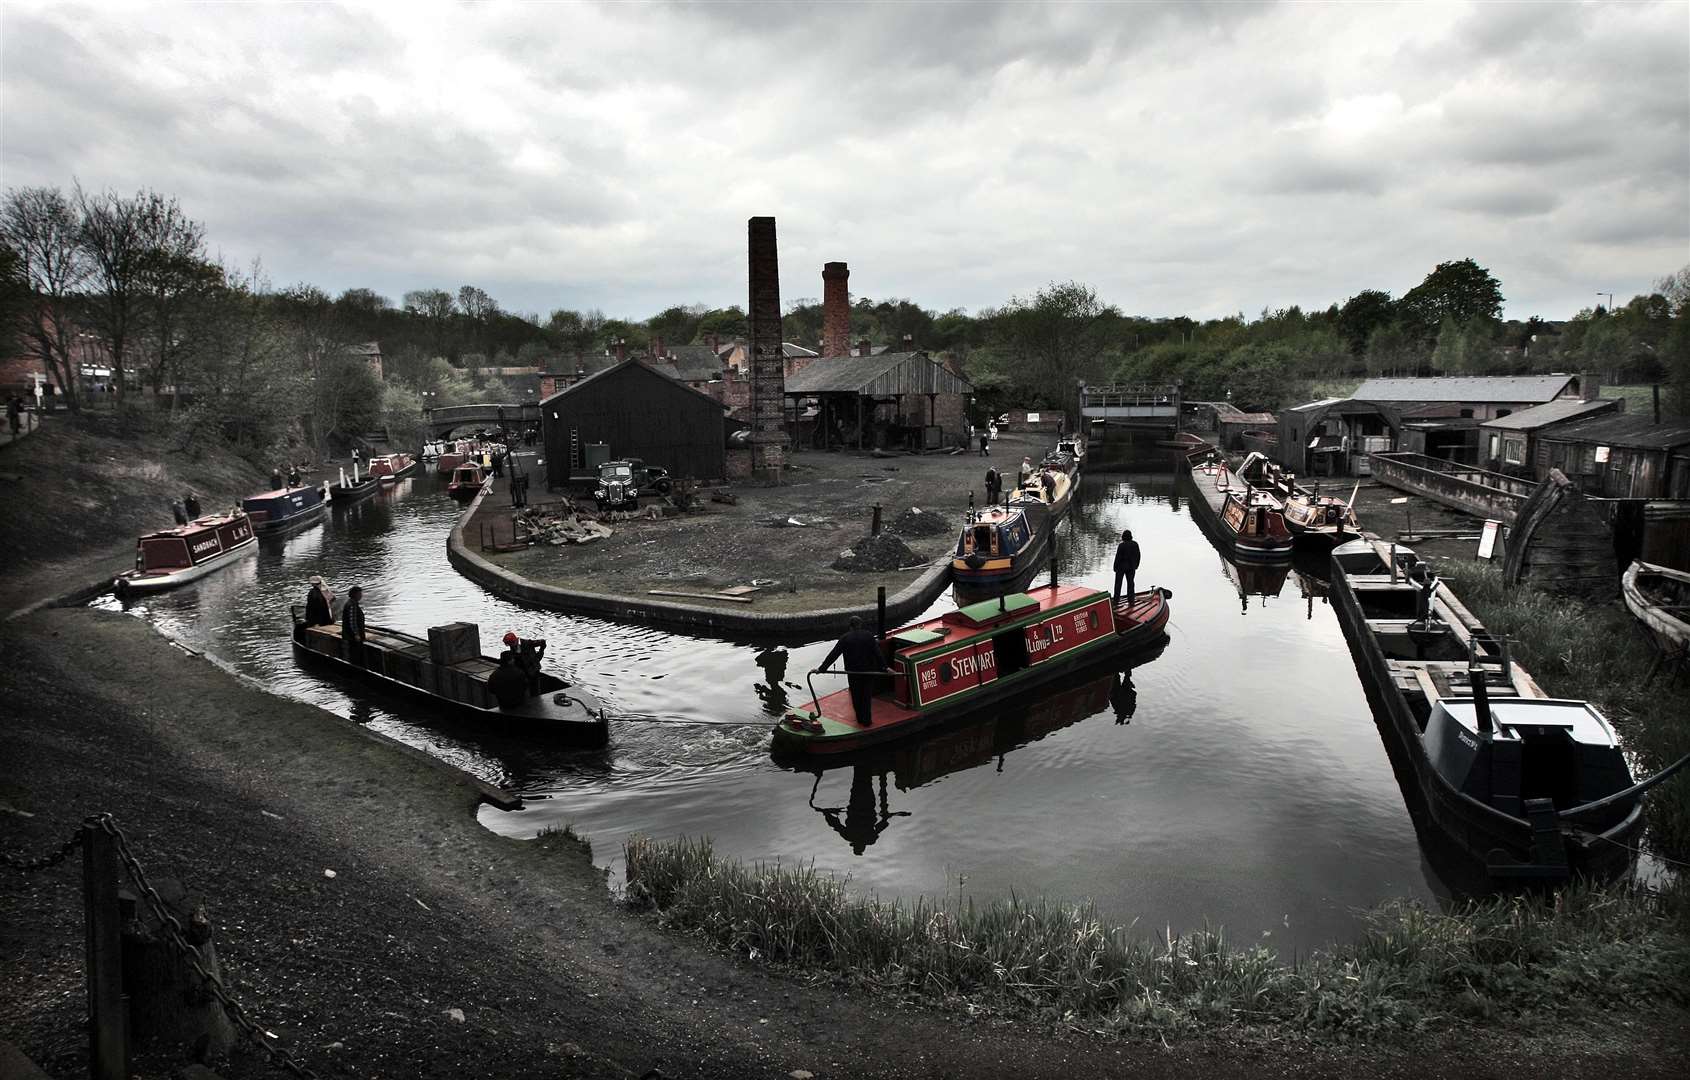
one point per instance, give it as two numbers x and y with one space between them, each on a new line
880 612
874 527
108 1009
1053 573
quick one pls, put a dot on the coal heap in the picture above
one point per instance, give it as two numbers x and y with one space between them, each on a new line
876 553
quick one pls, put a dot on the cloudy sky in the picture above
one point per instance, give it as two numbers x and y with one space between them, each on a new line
1180 158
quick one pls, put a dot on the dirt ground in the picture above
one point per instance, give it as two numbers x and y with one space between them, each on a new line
249 799
832 494
1412 519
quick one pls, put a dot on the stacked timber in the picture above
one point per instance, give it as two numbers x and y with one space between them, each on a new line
1561 543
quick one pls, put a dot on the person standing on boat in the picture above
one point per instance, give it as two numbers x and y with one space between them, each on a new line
319 606
994 486
354 460
525 654
508 686
1126 565
180 514
352 626
276 478
192 505
861 652
293 475
1026 471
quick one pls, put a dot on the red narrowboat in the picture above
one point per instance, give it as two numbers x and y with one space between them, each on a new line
1313 519
1249 522
389 468
466 482
974 656
172 557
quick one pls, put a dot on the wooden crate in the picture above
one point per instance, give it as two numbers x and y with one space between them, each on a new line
454 642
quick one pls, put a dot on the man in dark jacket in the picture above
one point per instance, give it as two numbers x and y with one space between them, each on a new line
318 611
994 487
509 688
276 479
861 653
352 625
1126 564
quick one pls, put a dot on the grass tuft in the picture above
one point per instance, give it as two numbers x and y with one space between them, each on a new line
1583 949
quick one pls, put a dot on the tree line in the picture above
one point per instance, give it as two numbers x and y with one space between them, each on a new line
87 275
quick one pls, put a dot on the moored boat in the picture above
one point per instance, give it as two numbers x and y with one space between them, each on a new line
172 557
977 655
1076 451
1045 495
284 509
1529 786
448 672
1246 520
466 483
391 467
997 546
1314 520
1660 598
353 488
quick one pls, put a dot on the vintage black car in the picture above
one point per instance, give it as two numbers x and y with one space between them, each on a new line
620 483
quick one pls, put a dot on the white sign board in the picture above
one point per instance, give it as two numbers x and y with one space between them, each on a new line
1601 454
1032 418
1487 539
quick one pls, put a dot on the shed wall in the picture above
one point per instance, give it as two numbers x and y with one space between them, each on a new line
639 413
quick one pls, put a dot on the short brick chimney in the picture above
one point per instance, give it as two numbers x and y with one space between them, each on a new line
909 343
1590 387
657 347
714 342
621 349
836 309
864 348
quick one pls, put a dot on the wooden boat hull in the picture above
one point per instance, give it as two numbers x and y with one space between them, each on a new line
136 581
1670 630
1501 843
841 734
577 720
395 477
463 492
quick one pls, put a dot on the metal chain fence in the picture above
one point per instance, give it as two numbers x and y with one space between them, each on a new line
183 948
46 862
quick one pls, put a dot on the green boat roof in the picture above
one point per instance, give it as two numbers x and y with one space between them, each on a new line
987 610
916 636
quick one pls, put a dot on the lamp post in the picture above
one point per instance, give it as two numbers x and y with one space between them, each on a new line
1610 296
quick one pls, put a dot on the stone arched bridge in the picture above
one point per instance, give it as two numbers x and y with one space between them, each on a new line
449 418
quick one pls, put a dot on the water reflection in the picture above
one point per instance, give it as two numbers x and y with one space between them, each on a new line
987 738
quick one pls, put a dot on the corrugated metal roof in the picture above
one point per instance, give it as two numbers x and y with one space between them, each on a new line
1321 404
1237 417
1476 388
1626 429
878 376
1553 412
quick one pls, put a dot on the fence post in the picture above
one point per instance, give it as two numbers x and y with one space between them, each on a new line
108 1019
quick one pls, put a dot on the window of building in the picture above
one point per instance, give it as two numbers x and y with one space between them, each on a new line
1493 450
1514 451
1466 414
1500 413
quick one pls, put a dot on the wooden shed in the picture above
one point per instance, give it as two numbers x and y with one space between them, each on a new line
637 411
1623 457
870 400
1513 444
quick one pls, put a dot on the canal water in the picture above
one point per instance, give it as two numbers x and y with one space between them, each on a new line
1234 779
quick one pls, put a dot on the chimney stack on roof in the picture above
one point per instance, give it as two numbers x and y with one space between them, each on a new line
864 348
909 343
1590 387
836 309
621 349
656 347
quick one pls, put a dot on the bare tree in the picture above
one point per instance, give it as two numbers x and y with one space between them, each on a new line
174 275
41 228
114 236
436 306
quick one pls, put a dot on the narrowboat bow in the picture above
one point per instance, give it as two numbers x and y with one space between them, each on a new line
976 655
172 557
352 489
1249 522
1314 520
466 482
998 546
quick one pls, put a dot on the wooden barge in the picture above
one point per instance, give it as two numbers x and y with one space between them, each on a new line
1247 522
1526 785
284 510
172 557
447 672
978 655
354 490
1314 520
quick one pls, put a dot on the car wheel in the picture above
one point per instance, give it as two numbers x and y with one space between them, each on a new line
664 486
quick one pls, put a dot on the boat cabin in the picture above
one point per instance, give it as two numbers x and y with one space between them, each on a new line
996 532
468 475
188 545
272 507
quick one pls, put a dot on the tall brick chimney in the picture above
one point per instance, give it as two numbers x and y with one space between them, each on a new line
768 374
836 309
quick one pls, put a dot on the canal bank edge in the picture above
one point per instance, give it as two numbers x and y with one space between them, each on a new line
909 602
